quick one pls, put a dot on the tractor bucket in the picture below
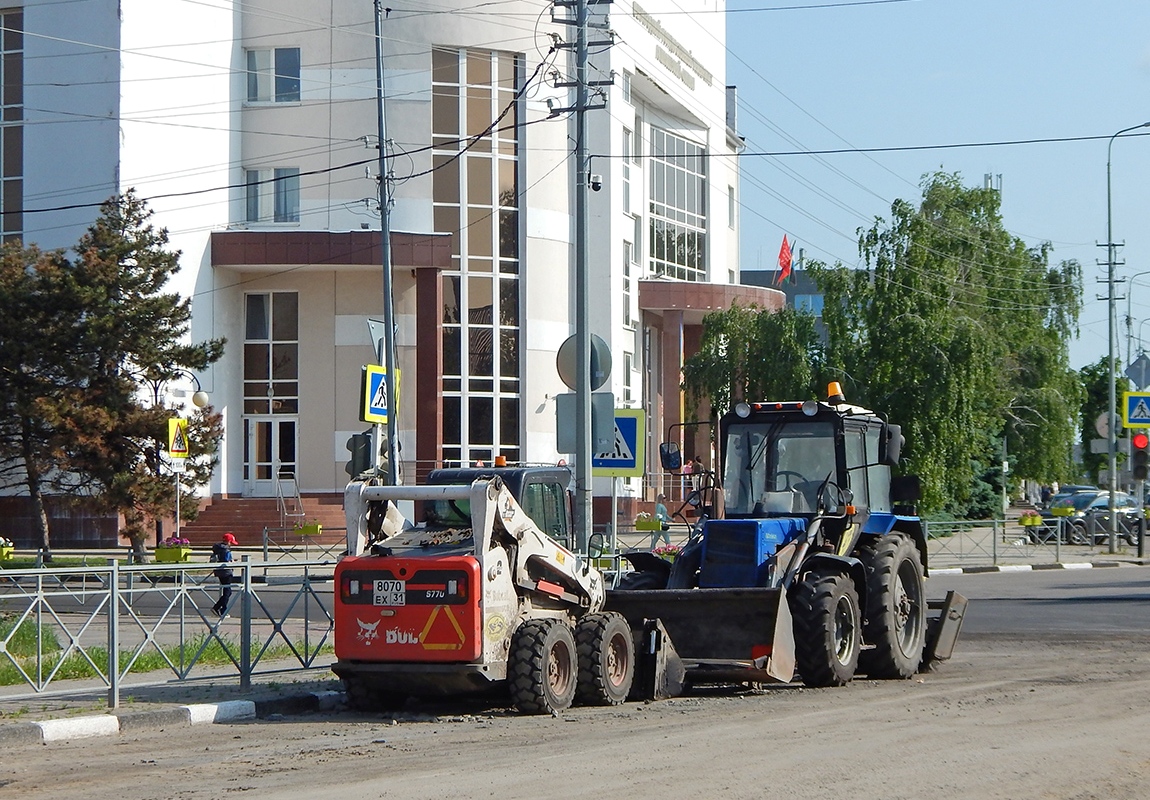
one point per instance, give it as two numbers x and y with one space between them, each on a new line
720 635
942 629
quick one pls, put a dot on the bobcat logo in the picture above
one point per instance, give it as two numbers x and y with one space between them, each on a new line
367 631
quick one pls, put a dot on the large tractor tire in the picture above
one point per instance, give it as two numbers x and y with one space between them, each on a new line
542 669
828 628
896 608
606 654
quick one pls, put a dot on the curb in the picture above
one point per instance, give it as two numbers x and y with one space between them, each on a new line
1025 567
117 722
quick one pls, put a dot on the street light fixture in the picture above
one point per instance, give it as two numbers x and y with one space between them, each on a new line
1112 437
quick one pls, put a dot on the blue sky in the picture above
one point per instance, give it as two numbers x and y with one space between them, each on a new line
936 72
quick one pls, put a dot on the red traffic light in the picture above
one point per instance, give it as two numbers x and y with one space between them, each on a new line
1140 441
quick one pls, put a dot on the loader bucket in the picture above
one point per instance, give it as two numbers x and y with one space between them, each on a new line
721 635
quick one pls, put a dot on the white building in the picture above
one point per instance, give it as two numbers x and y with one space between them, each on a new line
251 130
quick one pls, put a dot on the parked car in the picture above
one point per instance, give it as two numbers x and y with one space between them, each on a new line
1068 491
1086 512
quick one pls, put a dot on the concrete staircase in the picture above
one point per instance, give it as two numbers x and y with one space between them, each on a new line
246 517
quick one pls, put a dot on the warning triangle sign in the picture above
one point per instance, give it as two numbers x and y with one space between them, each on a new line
1141 411
178 437
379 399
621 451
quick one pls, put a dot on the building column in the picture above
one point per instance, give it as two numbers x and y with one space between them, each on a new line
429 371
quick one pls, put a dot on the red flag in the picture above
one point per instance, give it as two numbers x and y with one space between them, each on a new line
784 261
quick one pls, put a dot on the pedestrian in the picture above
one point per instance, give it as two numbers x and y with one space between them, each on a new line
698 471
664 518
222 554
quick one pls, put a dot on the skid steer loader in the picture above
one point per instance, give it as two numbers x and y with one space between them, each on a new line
475 597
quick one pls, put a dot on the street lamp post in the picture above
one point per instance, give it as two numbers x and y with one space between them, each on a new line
1129 318
1112 437
199 400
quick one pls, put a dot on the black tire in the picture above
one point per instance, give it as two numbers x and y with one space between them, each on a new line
896 608
364 695
1131 535
542 670
1077 534
606 654
828 628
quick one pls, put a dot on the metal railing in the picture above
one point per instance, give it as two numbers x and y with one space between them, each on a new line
108 623
1007 542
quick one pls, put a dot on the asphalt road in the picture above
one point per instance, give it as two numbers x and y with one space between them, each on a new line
1047 696
1048 602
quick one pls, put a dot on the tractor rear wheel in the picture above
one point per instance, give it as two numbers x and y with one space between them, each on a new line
896 608
606 654
542 669
828 628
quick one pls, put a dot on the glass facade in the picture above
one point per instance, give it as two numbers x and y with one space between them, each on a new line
475 187
12 124
678 206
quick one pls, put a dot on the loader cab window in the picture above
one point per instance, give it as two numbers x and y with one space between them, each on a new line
447 513
777 469
546 504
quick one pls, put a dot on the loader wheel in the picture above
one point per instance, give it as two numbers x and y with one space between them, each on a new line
542 669
606 654
828 628
896 608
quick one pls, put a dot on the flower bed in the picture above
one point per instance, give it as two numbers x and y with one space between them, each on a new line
173 550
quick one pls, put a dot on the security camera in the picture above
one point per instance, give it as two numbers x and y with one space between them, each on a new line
596 182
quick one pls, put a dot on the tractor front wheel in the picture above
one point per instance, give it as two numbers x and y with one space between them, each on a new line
542 670
828 628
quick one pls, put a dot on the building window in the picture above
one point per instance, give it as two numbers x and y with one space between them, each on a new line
273 75
628 315
12 124
678 192
628 368
272 195
731 207
475 194
271 353
811 303
626 171
626 83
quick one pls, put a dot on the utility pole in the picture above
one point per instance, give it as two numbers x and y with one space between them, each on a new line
387 341
1111 263
583 453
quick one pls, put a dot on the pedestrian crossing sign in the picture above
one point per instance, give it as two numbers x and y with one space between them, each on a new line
373 393
626 458
1136 409
178 437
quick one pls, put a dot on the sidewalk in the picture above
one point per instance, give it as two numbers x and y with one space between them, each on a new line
82 711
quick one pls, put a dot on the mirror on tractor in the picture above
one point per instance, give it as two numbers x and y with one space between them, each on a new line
670 456
892 442
596 545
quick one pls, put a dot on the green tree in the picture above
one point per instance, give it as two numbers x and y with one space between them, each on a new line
957 330
38 334
110 328
1095 402
753 354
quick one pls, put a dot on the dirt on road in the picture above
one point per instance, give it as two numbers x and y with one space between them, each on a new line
1047 717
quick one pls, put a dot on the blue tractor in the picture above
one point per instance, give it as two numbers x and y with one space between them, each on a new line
807 557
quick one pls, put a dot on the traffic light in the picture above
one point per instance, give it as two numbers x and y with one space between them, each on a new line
1140 442
359 445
